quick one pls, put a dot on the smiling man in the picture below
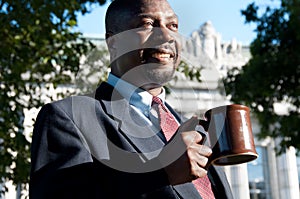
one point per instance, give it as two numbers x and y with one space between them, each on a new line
126 142
145 33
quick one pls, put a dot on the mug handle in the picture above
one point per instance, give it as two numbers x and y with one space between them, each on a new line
205 125
205 140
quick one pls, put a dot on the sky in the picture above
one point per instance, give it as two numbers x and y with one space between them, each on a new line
225 16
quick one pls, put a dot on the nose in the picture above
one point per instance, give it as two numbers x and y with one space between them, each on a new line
163 35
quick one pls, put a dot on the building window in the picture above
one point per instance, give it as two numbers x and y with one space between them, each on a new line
258 173
298 167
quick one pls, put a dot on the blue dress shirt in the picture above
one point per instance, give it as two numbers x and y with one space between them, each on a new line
140 100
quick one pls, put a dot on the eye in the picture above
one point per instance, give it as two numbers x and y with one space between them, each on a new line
147 24
173 26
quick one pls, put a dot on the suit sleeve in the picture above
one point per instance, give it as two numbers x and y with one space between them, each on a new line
63 167
57 154
56 141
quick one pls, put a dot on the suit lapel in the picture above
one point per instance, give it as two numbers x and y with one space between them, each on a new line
187 190
176 115
132 126
220 185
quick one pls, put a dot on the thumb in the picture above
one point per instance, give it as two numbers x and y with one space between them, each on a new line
189 125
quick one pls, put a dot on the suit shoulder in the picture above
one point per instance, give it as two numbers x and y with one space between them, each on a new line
70 104
74 100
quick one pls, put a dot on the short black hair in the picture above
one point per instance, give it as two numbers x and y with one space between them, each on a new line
118 13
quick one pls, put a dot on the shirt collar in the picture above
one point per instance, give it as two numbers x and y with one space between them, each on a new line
137 97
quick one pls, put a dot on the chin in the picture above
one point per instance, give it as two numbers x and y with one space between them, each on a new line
160 76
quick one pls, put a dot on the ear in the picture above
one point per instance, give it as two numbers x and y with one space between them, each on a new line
110 42
109 39
108 34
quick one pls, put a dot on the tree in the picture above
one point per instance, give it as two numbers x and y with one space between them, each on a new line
39 49
271 78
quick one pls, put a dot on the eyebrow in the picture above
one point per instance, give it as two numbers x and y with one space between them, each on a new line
173 16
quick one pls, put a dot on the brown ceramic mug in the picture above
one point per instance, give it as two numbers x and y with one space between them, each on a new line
229 133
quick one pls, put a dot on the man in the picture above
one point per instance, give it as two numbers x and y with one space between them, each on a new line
119 144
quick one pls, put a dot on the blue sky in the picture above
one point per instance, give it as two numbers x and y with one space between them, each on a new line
225 16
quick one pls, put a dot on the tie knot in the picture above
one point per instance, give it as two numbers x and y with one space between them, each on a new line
156 100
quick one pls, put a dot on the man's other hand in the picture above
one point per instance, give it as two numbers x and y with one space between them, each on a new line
192 164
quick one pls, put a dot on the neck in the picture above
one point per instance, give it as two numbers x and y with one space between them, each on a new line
155 91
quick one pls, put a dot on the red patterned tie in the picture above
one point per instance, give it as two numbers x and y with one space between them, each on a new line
167 121
169 126
203 186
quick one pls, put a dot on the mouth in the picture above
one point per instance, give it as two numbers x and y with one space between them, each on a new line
162 56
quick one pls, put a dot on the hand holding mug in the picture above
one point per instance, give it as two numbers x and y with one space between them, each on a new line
192 163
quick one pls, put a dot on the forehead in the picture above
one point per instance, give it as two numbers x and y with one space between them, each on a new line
157 8
125 14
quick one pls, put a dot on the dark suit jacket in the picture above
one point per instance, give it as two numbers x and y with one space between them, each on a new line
98 147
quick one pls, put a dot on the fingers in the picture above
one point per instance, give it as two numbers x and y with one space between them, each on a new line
192 140
192 125
197 172
190 166
199 161
190 137
197 154
193 163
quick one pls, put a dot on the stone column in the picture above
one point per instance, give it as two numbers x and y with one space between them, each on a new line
238 179
272 167
197 48
218 46
288 175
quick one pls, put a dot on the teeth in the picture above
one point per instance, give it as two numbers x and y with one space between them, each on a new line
161 55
